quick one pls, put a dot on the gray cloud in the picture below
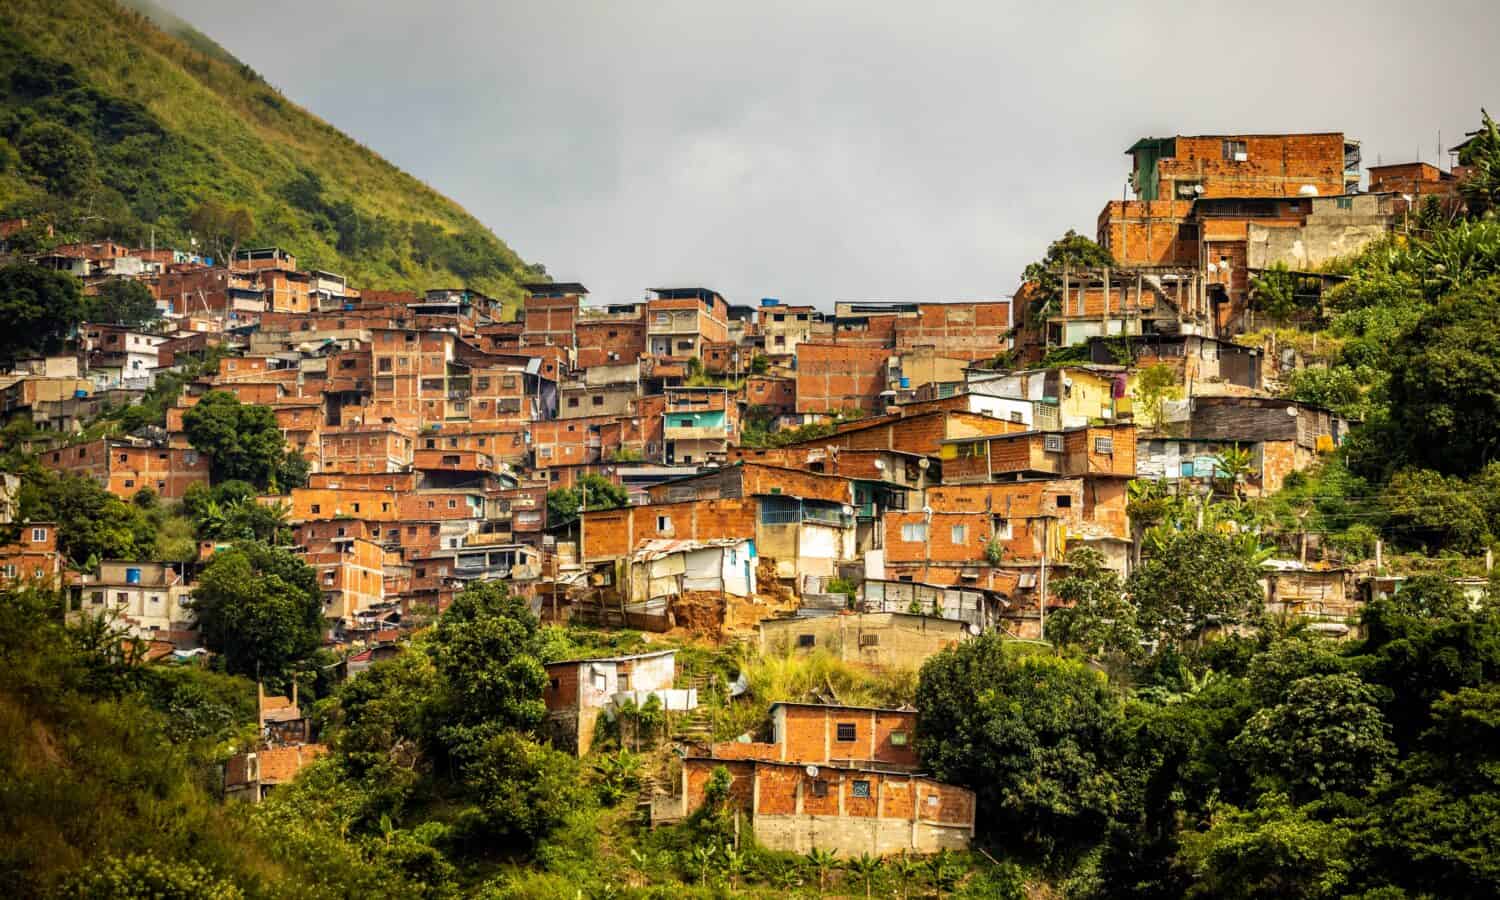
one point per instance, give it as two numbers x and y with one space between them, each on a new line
815 151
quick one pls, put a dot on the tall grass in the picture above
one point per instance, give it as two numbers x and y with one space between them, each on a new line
815 676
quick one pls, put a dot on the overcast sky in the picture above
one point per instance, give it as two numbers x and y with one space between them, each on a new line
820 151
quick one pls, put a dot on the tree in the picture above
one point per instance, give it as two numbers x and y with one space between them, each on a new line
92 524
122 301
1098 619
1192 579
521 790
1030 735
1154 386
1274 292
243 442
259 608
1431 512
1481 153
1231 466
39 308
1327 735
1274 850
222 227
61 157
487 650
1444 388
563 503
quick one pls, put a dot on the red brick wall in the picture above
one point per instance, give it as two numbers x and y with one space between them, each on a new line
832 377
1277 165
598 340
613 533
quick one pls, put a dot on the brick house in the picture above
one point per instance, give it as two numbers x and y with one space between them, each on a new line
796 808
856 736
33 556
125 467
550 312
680 320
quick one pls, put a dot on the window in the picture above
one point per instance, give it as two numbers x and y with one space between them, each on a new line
1002 528
1016 417
317 508
1344 203
898 739
1104 445
1235 151
663 523
38 535
598 400
1052 443
452 503
861 789
846 731
572 403
819 788
806 640
869 640
8 570
484 384
1064 501
914 532
959 534
554 684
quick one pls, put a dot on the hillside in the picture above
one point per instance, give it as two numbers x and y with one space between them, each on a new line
133 129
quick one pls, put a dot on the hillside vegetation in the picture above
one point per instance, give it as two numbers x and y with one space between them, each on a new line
117 128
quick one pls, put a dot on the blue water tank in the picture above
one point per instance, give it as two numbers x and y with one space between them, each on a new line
905 383
769 301
132 576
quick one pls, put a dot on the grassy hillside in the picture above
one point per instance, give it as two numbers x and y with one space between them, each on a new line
153 125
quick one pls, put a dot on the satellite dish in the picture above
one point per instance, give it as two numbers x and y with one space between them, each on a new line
923 463
880 465
848 510
1291 411
812 771
973 629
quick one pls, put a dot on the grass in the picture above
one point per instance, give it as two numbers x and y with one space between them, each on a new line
795 677
172 125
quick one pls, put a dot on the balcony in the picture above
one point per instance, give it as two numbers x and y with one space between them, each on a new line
700 433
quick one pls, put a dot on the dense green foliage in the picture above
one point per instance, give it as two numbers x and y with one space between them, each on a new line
1282 765
121 301
563 503
259 608
39 307
243 442
136 129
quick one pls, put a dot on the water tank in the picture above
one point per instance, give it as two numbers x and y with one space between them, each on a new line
132 576
769 301
905 383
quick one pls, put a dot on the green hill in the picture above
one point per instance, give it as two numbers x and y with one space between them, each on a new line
113 127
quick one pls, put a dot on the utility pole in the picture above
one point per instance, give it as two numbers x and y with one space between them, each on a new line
1041 582
583 505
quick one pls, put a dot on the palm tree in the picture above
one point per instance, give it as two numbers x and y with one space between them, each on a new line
866 867
943 872
821 862
703 857
906 869
735 866
1234 464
